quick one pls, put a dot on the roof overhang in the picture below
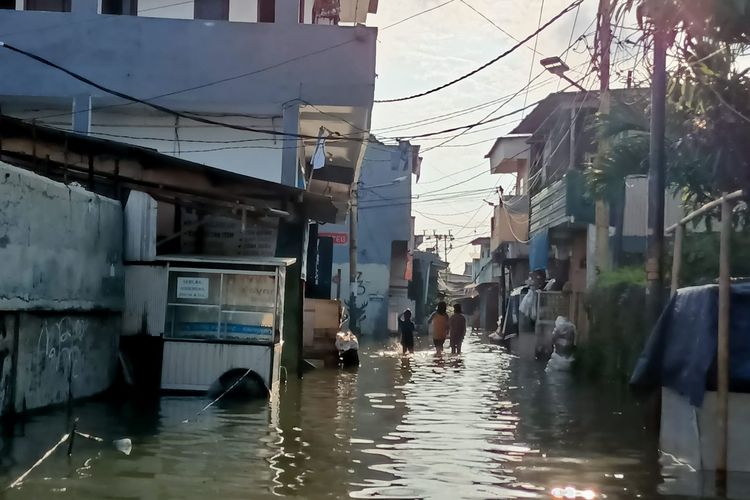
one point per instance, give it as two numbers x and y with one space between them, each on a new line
509 154
110 165
345 129
483 240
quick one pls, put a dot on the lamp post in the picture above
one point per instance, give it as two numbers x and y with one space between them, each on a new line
557 66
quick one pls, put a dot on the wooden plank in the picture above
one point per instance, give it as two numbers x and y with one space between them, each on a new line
705 208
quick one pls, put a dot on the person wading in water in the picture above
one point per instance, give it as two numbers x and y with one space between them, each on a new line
457 329
406 325
439 323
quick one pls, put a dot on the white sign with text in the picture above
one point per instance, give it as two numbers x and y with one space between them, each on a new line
192 288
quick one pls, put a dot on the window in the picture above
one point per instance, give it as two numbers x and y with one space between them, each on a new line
212 9
120 7
227 305
48 5
266 11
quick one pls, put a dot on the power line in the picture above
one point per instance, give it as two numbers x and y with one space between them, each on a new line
472 125
481 164
241 75
454 114
570 39
157 107
200 119
533 56
487 64
445 142
188 89
448 215
493 23
438 194
417 15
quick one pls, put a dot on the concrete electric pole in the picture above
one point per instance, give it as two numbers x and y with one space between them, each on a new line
353 312
656 182
602 207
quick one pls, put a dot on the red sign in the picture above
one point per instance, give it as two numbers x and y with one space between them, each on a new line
338 238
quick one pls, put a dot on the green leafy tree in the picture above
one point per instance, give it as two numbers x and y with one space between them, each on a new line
708 94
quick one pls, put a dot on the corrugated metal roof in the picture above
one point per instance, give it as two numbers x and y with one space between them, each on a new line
217 182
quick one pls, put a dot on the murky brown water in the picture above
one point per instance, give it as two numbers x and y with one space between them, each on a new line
483 425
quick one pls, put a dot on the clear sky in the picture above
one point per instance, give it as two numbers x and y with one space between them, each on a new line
440 45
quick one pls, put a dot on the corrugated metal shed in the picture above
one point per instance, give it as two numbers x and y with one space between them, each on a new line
636 207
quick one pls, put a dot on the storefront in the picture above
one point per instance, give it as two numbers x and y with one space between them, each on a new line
222 314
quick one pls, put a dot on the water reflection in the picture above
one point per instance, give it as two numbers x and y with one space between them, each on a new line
480 425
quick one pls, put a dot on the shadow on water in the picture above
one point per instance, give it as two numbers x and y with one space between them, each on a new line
479 425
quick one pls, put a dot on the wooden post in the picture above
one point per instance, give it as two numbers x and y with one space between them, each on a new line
72 437
677 258
723 345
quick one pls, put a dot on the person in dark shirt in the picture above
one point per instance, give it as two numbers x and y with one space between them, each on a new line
457 328
406 326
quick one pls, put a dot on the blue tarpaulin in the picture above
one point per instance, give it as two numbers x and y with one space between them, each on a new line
539 250
681 352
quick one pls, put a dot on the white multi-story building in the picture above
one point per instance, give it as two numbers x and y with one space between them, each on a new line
292 66
245 86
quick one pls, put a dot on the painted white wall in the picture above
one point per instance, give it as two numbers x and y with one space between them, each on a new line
255 155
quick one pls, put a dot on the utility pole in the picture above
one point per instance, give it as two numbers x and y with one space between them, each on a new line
446 238
656 182
602 207
353 313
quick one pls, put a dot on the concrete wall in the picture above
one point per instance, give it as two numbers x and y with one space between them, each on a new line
64 354
61 287
61 246
148 57
384 216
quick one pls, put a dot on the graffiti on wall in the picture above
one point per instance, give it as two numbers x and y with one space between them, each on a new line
59 345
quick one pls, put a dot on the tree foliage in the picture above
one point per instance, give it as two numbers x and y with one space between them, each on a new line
708 100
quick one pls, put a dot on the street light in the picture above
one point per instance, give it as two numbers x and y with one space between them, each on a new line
557 66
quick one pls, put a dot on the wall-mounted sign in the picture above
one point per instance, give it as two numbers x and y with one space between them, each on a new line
338 238
192 288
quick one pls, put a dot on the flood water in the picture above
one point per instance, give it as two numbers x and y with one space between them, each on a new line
482 425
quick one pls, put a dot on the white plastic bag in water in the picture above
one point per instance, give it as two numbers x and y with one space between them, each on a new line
346 341
528 304
559 363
